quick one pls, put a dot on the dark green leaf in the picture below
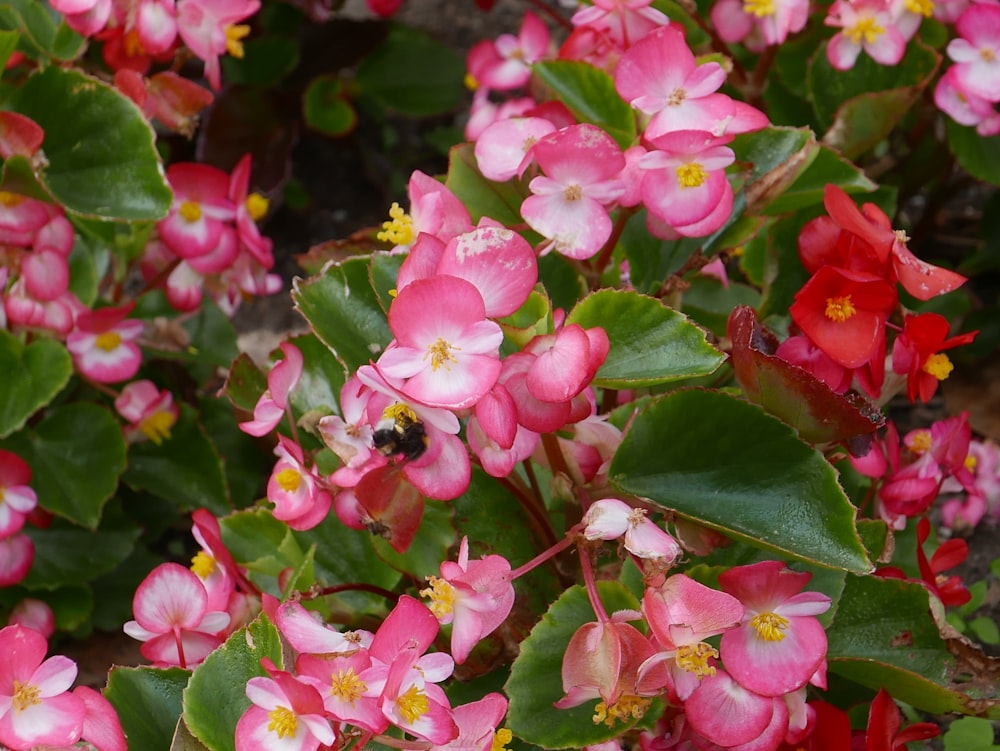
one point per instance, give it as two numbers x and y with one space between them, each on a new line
33 375
266 60
67 557
327 108
245 383
724 463
482 197
979 156
590 94
148 702
42 34
322 377
650 259
807 190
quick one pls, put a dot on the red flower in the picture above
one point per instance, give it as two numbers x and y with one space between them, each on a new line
884 721
950 590
917 352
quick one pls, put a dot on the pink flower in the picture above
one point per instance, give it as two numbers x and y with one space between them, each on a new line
964 107
151 413
210 29
35 706
201 207
298 496
103 344
977 51
759 23
17 499
779 644
17 553
503 149
866 25
287 714
506 63
570 201
624 21
477 725
609 519
34 614
475 597
434 210
273 403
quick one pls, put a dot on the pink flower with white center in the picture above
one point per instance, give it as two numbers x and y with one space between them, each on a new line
609 519
759 23
866 25
977 51
624 21
475 597
308 635
477 725
17 499
33 614
681 614
45 274
151 412
496 459
210 28
964 107
273 404
570 201
17 553
779 644
200 209
725 713
287 714
35 706
172 619
503 150
506 63
103 344
483 112
434 210
20 218
446 350
685 181
297 493
349 434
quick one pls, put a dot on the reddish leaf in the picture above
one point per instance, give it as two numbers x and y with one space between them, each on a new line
393 505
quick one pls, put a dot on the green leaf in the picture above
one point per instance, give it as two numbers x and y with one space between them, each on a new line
724 463
327 108
979 156
883 636
535 682
8 43
482 197
650 259
345 312
807 189
429 547
709 303
245 383
33 375
778 155
67 557
215 698
412 73
322 377
970 734
148 702
76 455
265 61
185 469
42 34
88 173
650 343
260 542
590 94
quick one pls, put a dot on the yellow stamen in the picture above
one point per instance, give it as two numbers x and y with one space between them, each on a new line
938 366
919 441
235 33
470 82
839 309
500 739
108 341
442 596
970 464
413 704
769 626
202 565
573 193
289 480
25 695
133 45
283 722
865 27
157 426
691 175
257 206
440 354
348 686
922 7
987 54
399 412
190 211
10 200
694 658
627 708
759 8
398 230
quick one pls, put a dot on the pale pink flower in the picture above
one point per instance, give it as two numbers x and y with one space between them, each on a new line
17 553
434 210
477 725
624 21
977 51
103 344
17 499
287 714
273 404
298 495
34 614
101 726
150 411
506 63
964 107
210 28
609 519
759 23
725 713
503 150
865 25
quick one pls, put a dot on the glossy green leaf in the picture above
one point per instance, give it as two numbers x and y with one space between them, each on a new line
265 61
327 108
884 636
777 155
482 197
650 343
76 454
535 678
650 259
707 302
322 377
413 74
42 32
724 463
807 189
87 172
8 43
344 312
74 556
245 383
590 94
216 698
260 542
185 469
33 375
148 702
970 734
979 156
865 120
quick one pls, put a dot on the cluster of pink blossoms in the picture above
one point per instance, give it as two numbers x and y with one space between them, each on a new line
17 502
676 170
970 89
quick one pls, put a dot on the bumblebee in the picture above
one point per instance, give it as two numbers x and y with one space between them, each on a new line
399 432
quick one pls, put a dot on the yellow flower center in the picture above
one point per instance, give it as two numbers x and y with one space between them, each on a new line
25 695
938 366
190 210
987 54
923 7
839 309
398 230
283 722
257 206
157 426
919 441
970 464
289 480
202 565
348 686
626 708
440 354
691 175
235 34
413 704
573 193
470 82
133 44
108 341
866 27
677 96
500 739
399 412
694 658
769 626
10 200
759 8
442 596
2 491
